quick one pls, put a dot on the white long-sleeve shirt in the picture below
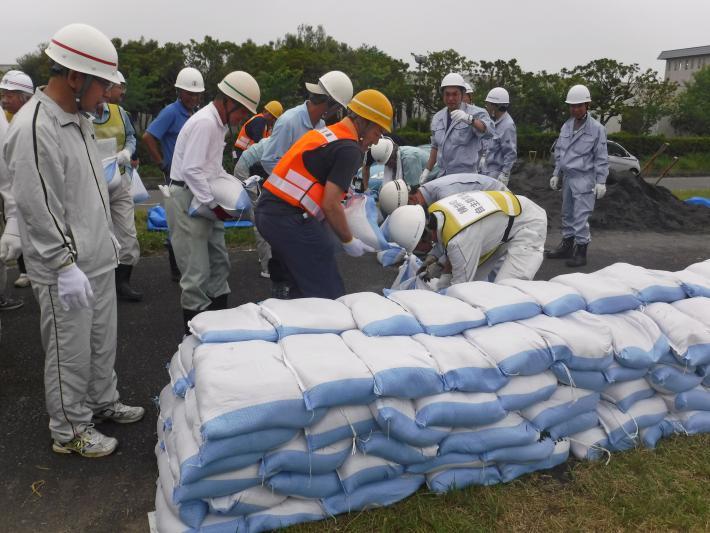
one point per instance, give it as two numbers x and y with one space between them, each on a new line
198 153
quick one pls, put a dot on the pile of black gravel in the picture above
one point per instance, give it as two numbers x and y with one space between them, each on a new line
630 203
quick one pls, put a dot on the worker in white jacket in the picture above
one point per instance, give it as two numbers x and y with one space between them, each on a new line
65 229
487 235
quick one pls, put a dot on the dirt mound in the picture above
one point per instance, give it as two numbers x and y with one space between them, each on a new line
630 203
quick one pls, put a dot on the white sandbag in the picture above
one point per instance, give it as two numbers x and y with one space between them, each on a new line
458 478
574 425
439 315
702 268
649 411
243 323
698 308
689 339
289 512
396 418
458 409
245 502
674 379
340 423
649 286
564 404
407 278
595 380
524 391
112 173
243 387
373 495
218 485
181 369
307 315
361 213
166 403
311 486
580 339
390 449
622 429
137 190
625 394
555 299
328 372
463 366
512 470
513 430
500 303
294 456
401 367
693 283
361 469
697 399
190 512
228 192
590 445
378 316
638 342
516 349
603 294
166 517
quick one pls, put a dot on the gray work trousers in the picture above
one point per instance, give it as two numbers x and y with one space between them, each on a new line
80 351
577 204
124 222
200 252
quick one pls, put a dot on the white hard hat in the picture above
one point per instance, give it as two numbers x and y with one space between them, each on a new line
393 194
453 79
406 225
469 89
578 94
190 79
498 95
382 151
335 84
122 80
85 49
16 80
242 87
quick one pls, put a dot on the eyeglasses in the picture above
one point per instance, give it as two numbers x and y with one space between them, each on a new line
107 85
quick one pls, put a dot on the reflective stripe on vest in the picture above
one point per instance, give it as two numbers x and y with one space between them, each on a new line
292 182
464 209
243 140
113 128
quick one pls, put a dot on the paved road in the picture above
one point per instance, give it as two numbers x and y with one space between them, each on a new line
678 183
115 493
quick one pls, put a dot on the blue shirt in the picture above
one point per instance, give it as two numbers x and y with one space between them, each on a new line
287 130
166 126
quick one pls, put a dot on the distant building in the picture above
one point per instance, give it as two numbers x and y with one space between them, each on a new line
681 64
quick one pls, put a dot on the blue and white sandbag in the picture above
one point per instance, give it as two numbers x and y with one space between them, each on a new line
458 409
373 495
181 370
648 286
247 501
348 421
595 380
312 486
439 315
693 283
243 323
524 391
564 404
396 418
590 445
555 299
638 342
463 366
513 430
698 308
689 339
458 478
294 456
288 513
513 470
697 399
307 315
603 295
499 303
390 449
377 316
627 393
674 379
574 425
328 372
360 469
362 215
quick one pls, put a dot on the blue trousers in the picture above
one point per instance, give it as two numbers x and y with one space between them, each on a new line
306 250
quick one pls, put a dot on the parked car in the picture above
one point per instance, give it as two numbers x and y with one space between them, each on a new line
620 160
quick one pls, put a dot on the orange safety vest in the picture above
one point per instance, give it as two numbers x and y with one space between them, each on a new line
291 181
243 140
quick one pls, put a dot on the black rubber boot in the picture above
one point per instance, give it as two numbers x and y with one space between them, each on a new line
174 270
579 258
187 315
219 302
563 251
124 291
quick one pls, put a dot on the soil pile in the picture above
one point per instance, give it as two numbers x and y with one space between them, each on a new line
630 203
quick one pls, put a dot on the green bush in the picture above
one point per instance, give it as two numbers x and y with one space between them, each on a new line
414 137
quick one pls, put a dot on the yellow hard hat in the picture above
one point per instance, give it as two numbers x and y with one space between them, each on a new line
374 106
275 108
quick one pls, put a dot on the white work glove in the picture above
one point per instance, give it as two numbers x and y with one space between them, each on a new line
10 243
599 190
554 183
504 178
423 176
355 247
74 288
460 115
442 282
123 157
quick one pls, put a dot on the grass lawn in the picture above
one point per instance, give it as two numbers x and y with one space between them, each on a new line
684 194
151 242
641 490
688 165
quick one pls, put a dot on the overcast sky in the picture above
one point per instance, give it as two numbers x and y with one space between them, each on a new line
542 34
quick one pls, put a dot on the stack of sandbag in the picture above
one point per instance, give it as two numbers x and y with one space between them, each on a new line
289 411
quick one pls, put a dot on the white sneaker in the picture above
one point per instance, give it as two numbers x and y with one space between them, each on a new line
264 274
22 281
120 413
88 443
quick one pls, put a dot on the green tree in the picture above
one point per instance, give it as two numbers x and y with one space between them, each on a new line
653 100
691 112
36 65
